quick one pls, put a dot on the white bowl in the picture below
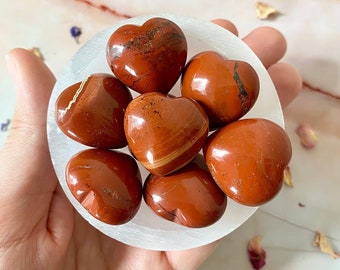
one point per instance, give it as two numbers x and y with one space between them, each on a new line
146 229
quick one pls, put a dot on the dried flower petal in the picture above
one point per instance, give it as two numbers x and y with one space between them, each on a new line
301 204
5 125
264 11
256 254
308 136
37 52
75 33
287 177
321 242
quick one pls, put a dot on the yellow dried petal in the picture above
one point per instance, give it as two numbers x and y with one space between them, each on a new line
321 242
308 137
287 177
264 11
37 52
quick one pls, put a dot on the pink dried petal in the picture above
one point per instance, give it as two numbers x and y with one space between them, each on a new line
308 136
256 254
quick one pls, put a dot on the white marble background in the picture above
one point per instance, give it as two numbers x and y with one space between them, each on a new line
312 29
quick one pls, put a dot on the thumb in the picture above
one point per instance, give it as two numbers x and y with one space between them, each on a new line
33 82
31 202
25 156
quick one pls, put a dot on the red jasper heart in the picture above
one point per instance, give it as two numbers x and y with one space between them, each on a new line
106 183
226 89
247 159
148 58
92 111
189 197
165 133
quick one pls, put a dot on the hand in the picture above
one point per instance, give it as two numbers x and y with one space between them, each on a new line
39 228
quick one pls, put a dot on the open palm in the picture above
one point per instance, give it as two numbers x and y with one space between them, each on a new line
39 228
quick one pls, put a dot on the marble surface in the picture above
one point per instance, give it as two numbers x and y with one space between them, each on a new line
313 35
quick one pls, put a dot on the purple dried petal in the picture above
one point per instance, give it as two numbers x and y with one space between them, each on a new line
256 254
75 31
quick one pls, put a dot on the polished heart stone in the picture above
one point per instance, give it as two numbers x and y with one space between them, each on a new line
247 159
148 58
189 197
165 133
226 89
92 111
106 183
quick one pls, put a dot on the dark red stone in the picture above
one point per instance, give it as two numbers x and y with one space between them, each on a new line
247 158
106 183
226 89
189 197
92 111
148 58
